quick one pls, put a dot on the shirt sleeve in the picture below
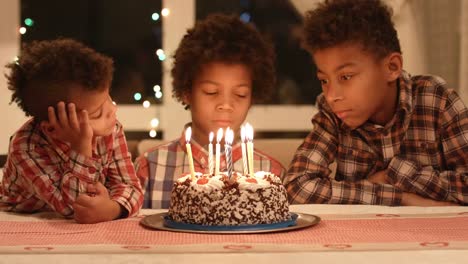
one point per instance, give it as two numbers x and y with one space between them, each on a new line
308 179
56 187
122 182
142 170
450 184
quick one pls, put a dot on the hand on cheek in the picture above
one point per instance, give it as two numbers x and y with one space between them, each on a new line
67 125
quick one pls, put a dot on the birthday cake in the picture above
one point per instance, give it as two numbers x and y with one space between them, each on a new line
219 200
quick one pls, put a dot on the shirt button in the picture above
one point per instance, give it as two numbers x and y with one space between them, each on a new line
92 170
202 160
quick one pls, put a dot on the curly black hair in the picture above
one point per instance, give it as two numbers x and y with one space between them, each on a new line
226 39
365 22
47 70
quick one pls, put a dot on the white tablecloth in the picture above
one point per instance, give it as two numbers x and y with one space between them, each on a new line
339 256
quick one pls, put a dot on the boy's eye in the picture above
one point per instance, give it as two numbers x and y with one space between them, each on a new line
323 81
211 92
346 77
96 115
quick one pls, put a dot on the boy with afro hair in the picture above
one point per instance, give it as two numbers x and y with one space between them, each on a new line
71 156
397 139
221 67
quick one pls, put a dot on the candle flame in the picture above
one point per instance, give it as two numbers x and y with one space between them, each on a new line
188 134
211 136
219 135
243 134
229 137
249 132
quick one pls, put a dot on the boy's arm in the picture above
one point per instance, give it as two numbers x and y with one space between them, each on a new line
308 178
443 185
52 183
122 182
142 170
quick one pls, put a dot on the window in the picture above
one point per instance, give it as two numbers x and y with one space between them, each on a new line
278 20
128 31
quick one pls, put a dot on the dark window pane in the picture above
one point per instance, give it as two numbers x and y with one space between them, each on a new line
121 29
279 20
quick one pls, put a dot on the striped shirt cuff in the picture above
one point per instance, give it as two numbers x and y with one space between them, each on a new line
401 173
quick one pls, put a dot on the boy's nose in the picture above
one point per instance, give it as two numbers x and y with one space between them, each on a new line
334 93
225 105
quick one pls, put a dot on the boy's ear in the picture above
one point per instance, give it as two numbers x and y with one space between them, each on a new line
186 98
48 129
394 66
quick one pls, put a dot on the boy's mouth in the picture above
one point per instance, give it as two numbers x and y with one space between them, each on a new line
223 122
342 114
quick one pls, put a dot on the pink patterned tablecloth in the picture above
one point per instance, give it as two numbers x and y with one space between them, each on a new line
335 232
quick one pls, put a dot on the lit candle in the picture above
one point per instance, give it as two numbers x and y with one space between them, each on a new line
219 136
188 134
228 138
210 155
250 148
244 151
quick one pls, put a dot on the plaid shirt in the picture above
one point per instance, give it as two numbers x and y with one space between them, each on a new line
161 166
424 149
44 174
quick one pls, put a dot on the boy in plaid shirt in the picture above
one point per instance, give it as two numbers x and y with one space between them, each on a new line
72 158
397 139
220 67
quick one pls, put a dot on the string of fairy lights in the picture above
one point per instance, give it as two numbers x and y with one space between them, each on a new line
160 54
138 97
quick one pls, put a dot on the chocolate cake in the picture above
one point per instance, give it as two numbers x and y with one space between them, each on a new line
236 200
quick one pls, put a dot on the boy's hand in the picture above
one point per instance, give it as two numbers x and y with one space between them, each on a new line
411 199
379 177
95 208
69 126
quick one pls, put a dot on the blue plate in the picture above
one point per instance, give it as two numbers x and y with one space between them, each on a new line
168 222
161 221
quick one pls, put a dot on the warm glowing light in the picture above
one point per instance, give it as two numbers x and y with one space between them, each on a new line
146 104
249 132
157 88
165 12
154 122
159 52
22 30
188 134
243 136
219 135
158 95
211 136
153 133
229 137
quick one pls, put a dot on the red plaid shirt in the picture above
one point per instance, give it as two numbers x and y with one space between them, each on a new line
161 166
424 149
43 174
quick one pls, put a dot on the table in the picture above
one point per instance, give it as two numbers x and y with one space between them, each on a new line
351 233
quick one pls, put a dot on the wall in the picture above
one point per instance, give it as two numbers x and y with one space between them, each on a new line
10 116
